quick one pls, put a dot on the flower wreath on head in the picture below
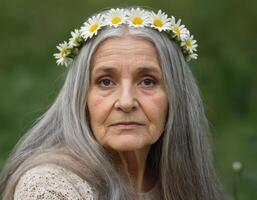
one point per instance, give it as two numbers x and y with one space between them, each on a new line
135 17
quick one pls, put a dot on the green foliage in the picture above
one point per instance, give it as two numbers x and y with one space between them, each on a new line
225 70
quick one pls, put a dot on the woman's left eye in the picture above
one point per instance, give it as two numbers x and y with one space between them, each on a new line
149 82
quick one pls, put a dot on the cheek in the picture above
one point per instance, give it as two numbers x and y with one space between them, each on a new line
99 108
156 108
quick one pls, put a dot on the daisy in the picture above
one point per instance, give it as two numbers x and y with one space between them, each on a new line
180 31
191 56
91 27
62 56
76 40
190 44
138 18
160 21
115 17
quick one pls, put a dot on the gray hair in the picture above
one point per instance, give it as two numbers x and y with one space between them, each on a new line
181 158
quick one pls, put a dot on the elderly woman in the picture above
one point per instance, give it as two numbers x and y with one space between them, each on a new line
128 122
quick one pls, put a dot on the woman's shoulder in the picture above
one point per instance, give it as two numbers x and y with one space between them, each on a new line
51 181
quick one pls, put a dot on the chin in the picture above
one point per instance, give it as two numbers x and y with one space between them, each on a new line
127 143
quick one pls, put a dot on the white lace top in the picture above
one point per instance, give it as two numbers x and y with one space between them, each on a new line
53 182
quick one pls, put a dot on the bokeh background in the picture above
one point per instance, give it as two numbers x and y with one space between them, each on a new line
225 71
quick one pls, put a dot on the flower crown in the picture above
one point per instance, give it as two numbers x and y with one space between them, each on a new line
134 18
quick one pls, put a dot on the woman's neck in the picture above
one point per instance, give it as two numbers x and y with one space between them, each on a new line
133 166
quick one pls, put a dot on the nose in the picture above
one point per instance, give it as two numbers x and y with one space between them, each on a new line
126 100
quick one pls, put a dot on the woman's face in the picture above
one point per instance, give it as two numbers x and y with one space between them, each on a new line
127 101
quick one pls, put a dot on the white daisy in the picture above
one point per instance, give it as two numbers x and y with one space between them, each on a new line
138 18
180 31
91 27
76 40
115 17
160 21
62 56
191 56
190 44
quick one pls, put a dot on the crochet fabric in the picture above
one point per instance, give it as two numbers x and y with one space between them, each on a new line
53 182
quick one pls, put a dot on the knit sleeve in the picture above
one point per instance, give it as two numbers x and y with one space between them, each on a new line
53 182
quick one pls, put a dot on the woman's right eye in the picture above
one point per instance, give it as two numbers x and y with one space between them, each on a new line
104 82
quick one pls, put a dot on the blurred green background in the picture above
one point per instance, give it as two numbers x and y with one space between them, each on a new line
225 71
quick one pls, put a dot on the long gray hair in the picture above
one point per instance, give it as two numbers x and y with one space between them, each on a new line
181 158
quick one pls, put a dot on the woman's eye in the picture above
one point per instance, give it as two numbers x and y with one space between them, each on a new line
149 82
104 82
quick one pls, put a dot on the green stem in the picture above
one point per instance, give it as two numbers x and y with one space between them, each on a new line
236 186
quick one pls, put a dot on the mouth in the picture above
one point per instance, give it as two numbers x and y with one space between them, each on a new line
127 125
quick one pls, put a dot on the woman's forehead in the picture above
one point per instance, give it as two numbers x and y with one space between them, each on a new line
125 51
123 46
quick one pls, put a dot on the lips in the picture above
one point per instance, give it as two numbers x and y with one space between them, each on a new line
126 123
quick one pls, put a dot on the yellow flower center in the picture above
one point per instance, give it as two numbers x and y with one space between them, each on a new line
137 20
116 20
93 27
177 30
188 43
158 22
65 52
78 40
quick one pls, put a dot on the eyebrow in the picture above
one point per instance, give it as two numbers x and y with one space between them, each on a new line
139 70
